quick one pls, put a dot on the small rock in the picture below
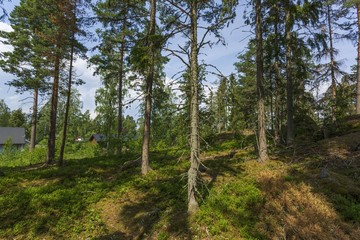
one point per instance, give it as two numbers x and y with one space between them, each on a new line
324 173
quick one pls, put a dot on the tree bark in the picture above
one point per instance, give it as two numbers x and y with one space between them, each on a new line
332 66
262 147
193 205
145 166
277 122
67 108
358 64
120 84
53 111
34 119
289 78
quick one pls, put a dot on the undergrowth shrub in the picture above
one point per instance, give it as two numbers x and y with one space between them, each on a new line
348 207
17 158
11 157
83 150
231 208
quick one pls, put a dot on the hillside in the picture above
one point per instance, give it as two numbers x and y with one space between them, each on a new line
311 192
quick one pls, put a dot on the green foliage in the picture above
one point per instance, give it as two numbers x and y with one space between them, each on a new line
15 158
57 206
8 151
244 115
78 200
4 114
11 157
230 208
17 118
307 128
348 207
83 149
62 202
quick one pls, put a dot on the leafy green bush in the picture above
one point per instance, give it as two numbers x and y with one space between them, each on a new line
7 153
17 158
83 150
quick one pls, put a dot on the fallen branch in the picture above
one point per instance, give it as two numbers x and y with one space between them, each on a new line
130 164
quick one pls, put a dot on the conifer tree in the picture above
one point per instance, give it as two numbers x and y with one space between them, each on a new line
185 17
333 24
75 47
356 4
273 62
358 60
246 74
262 145
120 20
26 61
145 167
58 37
4 114
304 15
221 105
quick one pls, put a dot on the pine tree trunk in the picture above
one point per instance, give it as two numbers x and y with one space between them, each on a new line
193 205
34 119
145 166
277 128
262 148
289 78
67 109
120 86
53 111
358 65
332 66
277 122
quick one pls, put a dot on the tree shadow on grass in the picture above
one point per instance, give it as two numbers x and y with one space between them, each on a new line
294 210
155 206
220 166
56 201
113 236
160 209
161 205
331 166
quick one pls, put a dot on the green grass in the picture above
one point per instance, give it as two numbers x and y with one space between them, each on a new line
230 210
17 158
54 200
95 198
61 202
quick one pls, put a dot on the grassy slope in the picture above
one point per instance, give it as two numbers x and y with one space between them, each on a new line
312 193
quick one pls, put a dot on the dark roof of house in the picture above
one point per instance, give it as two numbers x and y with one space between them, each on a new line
17 135
97 137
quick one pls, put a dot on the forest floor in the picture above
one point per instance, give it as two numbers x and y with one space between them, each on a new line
309 192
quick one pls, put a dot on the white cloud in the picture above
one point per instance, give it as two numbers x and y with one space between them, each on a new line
87 90
7 28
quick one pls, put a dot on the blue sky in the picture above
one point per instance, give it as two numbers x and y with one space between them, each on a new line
221 56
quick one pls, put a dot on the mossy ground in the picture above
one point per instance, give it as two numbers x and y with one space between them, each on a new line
95 198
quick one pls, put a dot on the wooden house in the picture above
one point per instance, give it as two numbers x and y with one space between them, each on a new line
97 138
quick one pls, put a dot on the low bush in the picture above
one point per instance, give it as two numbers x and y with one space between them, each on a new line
230 209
